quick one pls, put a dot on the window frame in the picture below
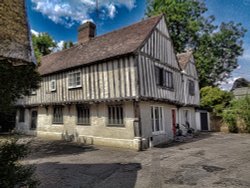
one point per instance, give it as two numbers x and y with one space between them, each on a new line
118 111
160 119
53 117
74 79
50 86
164 78
83 107
33 92
21 118
191 87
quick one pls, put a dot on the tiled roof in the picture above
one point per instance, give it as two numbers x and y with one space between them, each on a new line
120 42
242 91
183 59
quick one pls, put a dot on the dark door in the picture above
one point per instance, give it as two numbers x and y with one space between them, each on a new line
204 121
33 120
174 121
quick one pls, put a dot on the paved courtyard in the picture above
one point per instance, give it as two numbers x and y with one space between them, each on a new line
210 160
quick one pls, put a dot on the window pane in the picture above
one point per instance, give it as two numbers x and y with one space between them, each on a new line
83 115
115 115
58 115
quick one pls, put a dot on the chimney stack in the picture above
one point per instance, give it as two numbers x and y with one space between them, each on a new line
86 31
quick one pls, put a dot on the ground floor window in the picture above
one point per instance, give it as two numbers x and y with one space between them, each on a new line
21 115
157 118
115 115
83 115
58 115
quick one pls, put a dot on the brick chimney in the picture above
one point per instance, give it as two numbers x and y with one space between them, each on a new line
86 31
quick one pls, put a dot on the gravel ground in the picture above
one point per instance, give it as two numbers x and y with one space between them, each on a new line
210 160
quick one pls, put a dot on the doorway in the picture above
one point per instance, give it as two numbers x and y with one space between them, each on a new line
204 121
174 121
33 124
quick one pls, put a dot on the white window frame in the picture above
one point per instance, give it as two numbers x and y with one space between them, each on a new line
161 120
51 88
74 85
33 92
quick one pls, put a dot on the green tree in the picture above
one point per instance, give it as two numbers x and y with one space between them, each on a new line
216 48
16 81
242 108
67 44
12 172
215 98
43 44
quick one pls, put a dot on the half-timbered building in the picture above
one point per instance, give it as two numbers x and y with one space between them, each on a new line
125 88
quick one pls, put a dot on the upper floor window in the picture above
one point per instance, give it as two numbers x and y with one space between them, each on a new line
164 78
83 115
53 85
157 118
115 115
58 115
74 80
191 87
21 115
33 92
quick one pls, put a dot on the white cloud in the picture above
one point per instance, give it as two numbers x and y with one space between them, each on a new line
68 12
227 85
246 54
60 45
36 33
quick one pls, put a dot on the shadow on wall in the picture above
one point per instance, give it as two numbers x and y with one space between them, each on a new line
88 175
42 148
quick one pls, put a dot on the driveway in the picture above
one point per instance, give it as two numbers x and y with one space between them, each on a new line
211 160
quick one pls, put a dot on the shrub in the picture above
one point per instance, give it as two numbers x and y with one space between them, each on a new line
230 117
12 173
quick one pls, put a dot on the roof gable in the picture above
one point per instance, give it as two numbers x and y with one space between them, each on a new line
187 64
120 42
159 45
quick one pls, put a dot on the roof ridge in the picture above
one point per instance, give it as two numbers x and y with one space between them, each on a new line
105 34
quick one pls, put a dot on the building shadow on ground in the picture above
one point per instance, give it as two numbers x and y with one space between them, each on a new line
54 174
43 148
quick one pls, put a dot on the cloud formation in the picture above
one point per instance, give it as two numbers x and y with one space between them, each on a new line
69 12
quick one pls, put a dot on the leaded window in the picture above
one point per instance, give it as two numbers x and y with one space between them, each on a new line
115 115
157 119
191 87
58 115
74 80
83 115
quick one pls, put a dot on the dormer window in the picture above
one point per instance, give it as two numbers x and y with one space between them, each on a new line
74 80
53 85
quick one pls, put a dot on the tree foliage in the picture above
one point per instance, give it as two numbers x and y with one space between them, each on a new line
215 98
67 45
43 44
16 81
12 173
216 48
239 108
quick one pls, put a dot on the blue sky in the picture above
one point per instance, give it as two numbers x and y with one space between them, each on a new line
61 18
